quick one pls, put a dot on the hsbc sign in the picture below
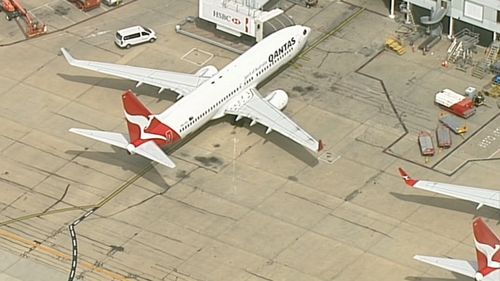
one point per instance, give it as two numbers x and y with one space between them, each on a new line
226 17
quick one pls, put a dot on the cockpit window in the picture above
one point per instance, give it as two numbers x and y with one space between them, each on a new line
305 31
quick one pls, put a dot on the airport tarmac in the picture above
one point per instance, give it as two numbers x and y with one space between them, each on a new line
241 205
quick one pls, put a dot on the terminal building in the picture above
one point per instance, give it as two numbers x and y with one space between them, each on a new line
479 16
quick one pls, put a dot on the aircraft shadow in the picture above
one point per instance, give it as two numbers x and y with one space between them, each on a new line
116 158
287 145
453 204
119 158
122 85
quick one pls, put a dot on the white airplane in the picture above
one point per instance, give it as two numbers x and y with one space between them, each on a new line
483 197
487 265
208 94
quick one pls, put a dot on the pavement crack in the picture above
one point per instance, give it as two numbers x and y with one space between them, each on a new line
258 275
204 211
369 143
76 120
352 195
361 225
58 200
15 184
152 196
309 200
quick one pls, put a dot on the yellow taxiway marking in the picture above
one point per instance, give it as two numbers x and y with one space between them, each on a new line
34 246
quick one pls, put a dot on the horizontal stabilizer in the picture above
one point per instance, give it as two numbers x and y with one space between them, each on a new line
148 149
466 268
152 151
112 138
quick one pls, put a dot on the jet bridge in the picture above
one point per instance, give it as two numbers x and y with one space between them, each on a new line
243 17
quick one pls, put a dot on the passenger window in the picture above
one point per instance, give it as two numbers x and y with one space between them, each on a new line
144 34
135 35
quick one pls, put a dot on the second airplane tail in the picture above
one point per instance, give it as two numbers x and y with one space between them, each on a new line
487 248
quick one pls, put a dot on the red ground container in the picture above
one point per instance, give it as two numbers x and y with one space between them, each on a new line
86 5
455 103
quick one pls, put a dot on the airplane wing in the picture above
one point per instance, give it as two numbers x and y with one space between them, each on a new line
481 196
260 110
148 149
466 268
181 83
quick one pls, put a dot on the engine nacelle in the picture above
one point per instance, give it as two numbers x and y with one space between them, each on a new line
278 98
207 71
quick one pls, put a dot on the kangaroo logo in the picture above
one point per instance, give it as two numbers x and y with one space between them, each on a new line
489 252
143 124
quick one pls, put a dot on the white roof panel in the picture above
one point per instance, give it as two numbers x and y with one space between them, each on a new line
448 97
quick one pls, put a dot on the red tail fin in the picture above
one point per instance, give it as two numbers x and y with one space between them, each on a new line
135 112
487 247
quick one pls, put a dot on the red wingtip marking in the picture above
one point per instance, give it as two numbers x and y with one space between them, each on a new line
320 146
408 180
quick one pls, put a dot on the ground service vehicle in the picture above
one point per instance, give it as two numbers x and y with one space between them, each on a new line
134 35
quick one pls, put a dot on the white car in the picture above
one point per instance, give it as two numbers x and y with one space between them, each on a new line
134 35
112 2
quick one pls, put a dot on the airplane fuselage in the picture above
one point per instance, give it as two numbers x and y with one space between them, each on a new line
228 86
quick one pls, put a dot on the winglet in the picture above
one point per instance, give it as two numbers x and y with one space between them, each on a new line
67 56
409 181
320 145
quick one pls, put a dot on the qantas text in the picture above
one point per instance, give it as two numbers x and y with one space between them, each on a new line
281 50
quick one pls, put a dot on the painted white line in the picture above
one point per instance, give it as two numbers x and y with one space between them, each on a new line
97 34
185 56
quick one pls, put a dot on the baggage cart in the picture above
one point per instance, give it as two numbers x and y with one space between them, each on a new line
443 136
425 143
454 123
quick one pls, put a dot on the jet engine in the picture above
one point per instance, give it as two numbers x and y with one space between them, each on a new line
278 98
207 71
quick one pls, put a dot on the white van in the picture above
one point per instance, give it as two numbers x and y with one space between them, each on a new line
134 35
112 2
